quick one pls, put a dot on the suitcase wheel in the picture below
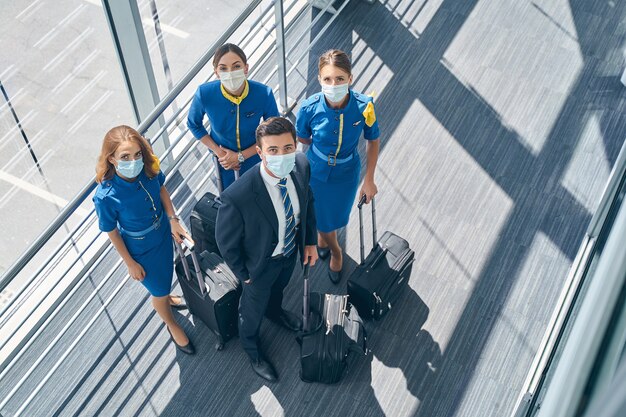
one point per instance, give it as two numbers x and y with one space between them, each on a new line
219 345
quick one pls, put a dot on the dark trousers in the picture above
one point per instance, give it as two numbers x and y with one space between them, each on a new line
264 296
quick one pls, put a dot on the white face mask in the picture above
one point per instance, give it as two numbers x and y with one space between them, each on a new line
335 93
233 80
281 165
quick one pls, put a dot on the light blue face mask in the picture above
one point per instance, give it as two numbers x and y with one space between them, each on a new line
281 165
129 169
335 93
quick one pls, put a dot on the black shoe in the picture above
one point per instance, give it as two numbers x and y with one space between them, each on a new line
264 369
189 349
288 320
181 306
335 276
323 252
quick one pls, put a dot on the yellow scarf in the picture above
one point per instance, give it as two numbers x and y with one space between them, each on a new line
368 113
156 164
233 99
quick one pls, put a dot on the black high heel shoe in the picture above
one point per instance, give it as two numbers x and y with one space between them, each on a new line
179 306
189 349
323 253
334 276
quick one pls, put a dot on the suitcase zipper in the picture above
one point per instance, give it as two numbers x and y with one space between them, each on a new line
386 286
339 342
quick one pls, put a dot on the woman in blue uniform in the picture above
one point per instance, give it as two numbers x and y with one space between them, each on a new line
234 107
136 212
332 122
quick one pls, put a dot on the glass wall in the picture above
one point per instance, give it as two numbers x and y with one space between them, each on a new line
62 88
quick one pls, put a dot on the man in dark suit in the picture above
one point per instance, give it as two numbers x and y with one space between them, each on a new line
265 218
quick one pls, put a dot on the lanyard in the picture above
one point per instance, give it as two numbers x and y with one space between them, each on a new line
340 141
237 130
155 218
237 101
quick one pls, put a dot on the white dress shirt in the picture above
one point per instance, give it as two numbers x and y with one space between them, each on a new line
271 183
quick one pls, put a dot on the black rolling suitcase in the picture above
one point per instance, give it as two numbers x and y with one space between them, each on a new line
211 291
332 335
381 278
203 215
202 222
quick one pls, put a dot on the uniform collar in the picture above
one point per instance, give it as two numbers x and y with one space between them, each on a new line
120 181
267 178
233 99
341 110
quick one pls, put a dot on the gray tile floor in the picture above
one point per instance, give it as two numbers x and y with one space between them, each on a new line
501 122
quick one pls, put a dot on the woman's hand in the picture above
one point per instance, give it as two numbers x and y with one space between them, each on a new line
178 231
136 271
368 189
228 159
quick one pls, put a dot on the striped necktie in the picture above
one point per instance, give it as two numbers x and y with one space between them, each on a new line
290 221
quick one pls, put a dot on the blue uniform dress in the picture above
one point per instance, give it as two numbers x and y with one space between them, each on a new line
335 175
224 111
133 208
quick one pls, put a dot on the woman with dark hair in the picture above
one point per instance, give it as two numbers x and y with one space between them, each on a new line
136 212
332 122
234 106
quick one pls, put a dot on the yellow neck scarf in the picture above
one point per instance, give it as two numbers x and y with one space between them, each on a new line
233 99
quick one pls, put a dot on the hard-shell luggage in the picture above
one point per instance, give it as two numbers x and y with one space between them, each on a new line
204 214
332 335
211 291
202 222
380 279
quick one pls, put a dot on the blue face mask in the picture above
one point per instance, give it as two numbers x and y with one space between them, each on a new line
129 169
335 93
281 165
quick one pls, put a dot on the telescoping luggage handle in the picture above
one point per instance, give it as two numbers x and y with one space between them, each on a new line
374 238
305 302
196 265
218 174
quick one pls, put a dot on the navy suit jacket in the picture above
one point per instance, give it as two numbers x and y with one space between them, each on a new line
246 228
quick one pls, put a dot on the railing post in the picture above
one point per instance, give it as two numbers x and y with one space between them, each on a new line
280 57
131 47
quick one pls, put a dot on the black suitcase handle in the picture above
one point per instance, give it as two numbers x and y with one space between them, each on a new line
218 174
374 238
306 306
305 301
196 266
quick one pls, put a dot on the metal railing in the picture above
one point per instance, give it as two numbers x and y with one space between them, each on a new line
297 7
600 223
8 309
564 394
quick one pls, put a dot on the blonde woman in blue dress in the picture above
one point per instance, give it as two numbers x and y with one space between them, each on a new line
332 122
136 212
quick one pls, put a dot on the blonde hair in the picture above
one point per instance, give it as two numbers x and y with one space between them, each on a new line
112 140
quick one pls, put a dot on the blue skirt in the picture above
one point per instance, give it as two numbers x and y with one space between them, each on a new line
155 253
334 190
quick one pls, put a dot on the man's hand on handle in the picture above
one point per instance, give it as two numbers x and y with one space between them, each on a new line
310 255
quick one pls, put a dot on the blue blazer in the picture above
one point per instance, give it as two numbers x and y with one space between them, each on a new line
246 228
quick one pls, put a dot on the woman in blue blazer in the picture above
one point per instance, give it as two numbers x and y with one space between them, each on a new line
234 107
332 122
